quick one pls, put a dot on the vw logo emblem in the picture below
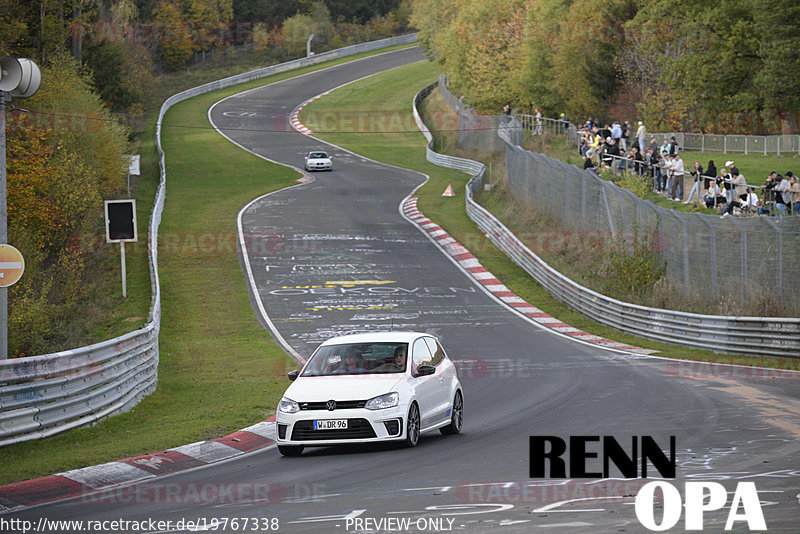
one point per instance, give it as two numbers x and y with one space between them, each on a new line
331 405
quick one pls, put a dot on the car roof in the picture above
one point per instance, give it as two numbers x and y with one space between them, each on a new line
373 337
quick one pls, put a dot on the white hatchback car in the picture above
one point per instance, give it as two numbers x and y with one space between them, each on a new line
318 160
361 388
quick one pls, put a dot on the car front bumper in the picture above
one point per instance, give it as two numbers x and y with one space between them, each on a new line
318 166
364 426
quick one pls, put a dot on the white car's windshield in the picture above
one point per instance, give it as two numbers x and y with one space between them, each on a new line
318 155
357 358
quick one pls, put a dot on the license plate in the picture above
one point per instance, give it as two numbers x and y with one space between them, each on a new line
330 424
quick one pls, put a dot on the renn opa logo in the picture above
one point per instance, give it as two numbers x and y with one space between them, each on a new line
700 497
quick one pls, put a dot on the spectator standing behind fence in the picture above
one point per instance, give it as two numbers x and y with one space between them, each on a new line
740 184
663 150
659 172
726 184
594 145
697 173
649 171
711 173
641 135
653 145
626 135
636 160
538 118
616 132
668 173
677 173
769 185
795 189
673 146
782 192
613 152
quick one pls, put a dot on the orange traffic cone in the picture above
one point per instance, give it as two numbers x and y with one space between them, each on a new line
449 191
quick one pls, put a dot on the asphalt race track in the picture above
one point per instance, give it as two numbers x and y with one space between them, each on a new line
335 255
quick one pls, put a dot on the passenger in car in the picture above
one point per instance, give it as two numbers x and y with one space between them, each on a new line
353 361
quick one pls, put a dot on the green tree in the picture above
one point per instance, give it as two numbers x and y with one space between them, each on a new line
480 49
777 79
296 30
321 26
542 29
107 63
431 17
208 20
583 67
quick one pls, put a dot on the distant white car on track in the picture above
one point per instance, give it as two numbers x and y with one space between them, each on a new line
318 160
363 388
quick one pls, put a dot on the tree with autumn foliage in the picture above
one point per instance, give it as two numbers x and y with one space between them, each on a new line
63 158
174 38
480 49
710 65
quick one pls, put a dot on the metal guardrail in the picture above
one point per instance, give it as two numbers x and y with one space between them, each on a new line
44 395
759 336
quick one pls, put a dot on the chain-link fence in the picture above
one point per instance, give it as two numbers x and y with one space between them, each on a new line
704 254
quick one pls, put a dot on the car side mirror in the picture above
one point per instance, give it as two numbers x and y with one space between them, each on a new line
425 370
293 374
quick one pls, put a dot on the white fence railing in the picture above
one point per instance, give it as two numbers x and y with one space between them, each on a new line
728 144
43 395
759 336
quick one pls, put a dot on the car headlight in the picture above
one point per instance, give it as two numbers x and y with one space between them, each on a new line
288 406
383 401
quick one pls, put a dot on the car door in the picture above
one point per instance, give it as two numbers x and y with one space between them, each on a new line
425 387
442 397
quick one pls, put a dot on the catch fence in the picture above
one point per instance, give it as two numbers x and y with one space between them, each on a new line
702 253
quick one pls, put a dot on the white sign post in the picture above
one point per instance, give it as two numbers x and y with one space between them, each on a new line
121 228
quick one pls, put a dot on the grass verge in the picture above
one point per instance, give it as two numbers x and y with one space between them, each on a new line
219 370
392 92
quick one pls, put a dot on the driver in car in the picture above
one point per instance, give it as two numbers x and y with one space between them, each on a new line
400 357
397 364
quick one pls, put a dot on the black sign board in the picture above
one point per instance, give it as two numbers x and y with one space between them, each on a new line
120 220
